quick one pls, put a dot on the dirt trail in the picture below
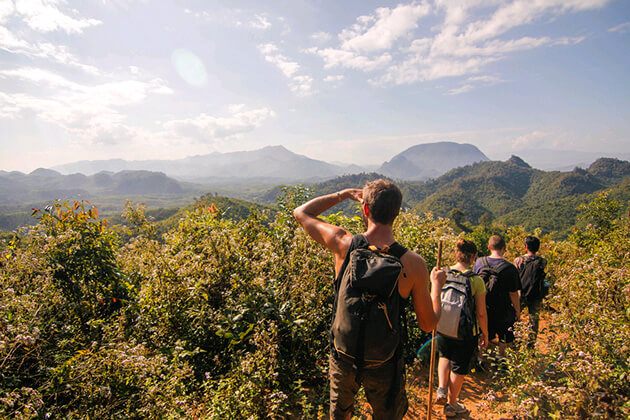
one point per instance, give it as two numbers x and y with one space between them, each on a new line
477 394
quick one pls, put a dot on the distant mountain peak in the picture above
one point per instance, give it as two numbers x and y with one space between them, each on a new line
515 160
44 172
430 160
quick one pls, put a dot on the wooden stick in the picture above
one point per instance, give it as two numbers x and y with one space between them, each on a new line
432 364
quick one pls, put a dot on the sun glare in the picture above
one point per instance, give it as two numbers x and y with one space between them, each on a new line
189 67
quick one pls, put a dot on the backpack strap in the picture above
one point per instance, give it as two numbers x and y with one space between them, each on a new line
397 250
484 262
502 265
358 241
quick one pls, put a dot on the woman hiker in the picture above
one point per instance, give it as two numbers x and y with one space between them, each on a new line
456 353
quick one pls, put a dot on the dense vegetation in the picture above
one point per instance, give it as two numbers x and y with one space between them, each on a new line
583 373
216 319
222 318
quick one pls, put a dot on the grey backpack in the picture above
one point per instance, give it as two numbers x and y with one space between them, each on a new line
458 317
366 318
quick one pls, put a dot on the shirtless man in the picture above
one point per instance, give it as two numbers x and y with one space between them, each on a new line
380 202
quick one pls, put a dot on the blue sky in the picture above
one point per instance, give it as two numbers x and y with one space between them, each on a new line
345 81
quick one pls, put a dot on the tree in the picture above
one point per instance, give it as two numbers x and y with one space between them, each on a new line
486 219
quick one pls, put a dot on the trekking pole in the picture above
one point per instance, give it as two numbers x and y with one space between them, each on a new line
432 364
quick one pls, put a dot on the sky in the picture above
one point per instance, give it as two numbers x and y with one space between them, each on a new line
341 81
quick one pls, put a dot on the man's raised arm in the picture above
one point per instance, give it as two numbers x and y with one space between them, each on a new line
426 304
332 237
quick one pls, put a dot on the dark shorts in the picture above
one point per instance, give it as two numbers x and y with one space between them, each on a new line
458 352
502 327
376 382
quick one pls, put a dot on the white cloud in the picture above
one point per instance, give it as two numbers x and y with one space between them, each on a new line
10 42
260 22
474 82
321 37
89 112
522 12
379 31
349 59
45 16
267 49
333 78
299 83
208 128
467 87
471 35
6 9
622 28
56 53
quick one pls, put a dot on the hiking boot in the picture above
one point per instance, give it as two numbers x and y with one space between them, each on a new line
440 396
453 410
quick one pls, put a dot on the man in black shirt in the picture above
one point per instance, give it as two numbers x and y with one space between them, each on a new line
502 297
531 269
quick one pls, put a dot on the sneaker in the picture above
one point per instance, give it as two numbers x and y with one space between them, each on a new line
453 410
440 396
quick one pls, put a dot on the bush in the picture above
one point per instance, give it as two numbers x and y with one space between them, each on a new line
230 319
584 374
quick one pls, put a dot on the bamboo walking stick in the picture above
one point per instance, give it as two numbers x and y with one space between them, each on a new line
432 364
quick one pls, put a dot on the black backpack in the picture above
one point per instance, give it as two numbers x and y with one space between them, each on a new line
491 277
532 275
459 318
366 317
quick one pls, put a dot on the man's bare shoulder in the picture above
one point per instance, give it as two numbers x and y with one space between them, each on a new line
412 260
415 273
343 238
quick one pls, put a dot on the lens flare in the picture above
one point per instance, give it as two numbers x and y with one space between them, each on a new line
189 67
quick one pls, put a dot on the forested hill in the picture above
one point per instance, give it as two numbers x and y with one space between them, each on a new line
45 184
499 188
508 191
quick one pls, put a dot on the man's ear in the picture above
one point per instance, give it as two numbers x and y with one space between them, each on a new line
366 209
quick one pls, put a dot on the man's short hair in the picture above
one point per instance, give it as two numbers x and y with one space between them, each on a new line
465 251
532 243
383 199
496 243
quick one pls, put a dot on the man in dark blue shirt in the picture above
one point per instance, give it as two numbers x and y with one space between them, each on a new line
503 302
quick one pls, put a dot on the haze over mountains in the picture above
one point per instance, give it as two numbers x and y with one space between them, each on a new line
509 191
271 163
46 184
277 164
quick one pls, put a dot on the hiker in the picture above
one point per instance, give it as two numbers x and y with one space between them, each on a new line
371 355
502 286
462 327
531 268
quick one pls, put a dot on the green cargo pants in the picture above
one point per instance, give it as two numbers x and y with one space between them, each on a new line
376 382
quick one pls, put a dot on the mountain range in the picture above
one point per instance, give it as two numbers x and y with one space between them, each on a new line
276 164
510 192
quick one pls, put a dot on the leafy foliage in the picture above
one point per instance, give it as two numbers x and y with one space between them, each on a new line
583 374
229 318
